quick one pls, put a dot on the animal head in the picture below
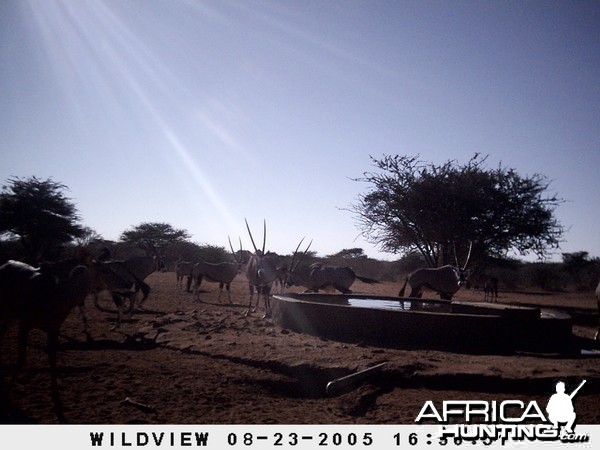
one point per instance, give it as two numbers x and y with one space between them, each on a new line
462 271
261 269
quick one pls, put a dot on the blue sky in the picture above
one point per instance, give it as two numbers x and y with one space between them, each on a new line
203 113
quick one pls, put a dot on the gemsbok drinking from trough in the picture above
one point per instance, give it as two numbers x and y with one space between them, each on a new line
321 276
222 273
445 280
341 278
39 299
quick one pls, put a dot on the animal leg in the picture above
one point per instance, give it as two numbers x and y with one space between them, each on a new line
267 302
52 351
416 292
401 293
597 337
97 300
132 297
266 292
220 291
249 310
228 287
118 301
141 286
86 325
343 289
197 287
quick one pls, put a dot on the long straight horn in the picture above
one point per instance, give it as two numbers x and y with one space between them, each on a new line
455 257
468 255
304 254
231 247
238 258
264 235
292 267
294 254
251 238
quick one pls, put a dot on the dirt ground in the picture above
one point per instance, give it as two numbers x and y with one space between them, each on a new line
188 361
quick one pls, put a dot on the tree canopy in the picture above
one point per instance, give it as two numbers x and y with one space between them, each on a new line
152 236
441 210
39 214
349 253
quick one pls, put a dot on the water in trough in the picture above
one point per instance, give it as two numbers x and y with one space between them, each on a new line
422 323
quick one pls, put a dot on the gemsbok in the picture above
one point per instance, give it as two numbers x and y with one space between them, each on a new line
116 278
40 300
183 269
283 272
261 272
321 276
222 273
490 289
123 279
445 280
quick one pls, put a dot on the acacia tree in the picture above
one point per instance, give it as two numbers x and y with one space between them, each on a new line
349 253
154 236
437 210
39 214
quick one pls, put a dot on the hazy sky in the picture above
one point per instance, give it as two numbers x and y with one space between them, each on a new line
203 113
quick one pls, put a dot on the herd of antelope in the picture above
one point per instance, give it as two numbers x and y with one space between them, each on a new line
263 272
43 297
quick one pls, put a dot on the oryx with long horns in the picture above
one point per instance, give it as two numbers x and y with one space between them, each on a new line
322 276
445 280
262 271
222 273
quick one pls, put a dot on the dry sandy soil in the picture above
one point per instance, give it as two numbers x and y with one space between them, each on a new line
205 362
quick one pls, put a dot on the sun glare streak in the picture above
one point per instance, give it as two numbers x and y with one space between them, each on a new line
90 49
221 120
201 179
306 39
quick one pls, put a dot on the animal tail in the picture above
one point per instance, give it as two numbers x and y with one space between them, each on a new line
401 293
367 280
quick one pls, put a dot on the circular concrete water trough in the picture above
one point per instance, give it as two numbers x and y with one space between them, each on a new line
418 323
